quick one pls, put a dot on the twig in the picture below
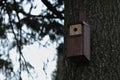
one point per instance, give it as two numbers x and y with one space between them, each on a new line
20 46
52 8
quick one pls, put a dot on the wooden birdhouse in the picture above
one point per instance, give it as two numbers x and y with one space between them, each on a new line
78 43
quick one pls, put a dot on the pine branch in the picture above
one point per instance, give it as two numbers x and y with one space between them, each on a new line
53 9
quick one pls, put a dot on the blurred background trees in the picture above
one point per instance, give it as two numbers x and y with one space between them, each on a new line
20 26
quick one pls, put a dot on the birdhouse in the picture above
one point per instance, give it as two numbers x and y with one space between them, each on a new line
78 43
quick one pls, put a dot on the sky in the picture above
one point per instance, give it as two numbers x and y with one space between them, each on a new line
38 4
40 57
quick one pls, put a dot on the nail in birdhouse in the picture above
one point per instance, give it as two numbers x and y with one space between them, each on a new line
78 43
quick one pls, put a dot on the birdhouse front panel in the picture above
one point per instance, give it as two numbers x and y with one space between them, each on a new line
75 30
75 46
78 43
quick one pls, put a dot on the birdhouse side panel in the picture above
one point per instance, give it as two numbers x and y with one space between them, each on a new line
87 42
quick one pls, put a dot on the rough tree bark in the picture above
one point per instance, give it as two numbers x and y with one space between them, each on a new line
104 19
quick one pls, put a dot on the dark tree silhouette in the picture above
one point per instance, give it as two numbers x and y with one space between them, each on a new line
103 16
49 22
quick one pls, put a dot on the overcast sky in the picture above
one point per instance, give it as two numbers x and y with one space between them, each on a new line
39 57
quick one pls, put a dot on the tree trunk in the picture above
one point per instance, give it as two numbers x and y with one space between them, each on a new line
103 16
